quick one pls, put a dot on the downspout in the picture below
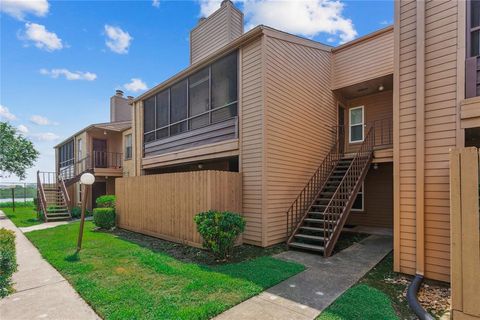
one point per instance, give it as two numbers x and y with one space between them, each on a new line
413 288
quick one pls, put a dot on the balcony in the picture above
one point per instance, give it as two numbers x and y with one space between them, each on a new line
100 163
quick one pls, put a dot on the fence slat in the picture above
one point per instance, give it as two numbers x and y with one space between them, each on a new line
164 205
456 230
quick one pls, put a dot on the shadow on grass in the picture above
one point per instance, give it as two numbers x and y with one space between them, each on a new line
75 257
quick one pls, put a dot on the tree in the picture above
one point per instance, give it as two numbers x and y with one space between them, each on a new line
17 153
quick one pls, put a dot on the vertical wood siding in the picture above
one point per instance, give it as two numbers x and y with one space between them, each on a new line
362 61
217 30
251 138
440 132
300 111
164 205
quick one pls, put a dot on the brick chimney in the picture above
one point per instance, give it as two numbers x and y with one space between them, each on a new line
120 110
215 31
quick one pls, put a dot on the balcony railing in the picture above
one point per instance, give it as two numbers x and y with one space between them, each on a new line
382 132
96 160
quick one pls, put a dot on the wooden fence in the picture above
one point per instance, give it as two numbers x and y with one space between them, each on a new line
164 205
465 233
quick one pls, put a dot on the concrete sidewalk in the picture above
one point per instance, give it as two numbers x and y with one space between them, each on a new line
41 292
308 293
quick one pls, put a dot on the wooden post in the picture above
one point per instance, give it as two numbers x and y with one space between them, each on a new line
82 218
13 199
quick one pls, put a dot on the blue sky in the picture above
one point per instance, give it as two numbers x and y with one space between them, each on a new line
60 61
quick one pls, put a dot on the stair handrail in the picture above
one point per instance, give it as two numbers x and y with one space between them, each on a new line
63 188
41 193
300 206
342 199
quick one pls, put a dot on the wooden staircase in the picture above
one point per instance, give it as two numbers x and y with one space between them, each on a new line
317 216
52 196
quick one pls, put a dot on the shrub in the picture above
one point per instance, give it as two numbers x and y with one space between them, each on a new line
76 212
104 218
106 201
8 262
219 231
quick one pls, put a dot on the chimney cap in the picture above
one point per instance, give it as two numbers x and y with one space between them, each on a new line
224 2
130 97
119 93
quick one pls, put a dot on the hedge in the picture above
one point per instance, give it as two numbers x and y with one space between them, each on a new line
104 218
8 261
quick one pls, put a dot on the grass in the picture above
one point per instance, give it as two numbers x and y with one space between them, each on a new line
123 277
372 297
23 216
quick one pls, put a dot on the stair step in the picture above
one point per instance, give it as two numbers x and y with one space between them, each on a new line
306 246
309 237
313 229
313 220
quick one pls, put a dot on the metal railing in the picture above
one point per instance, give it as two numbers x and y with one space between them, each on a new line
343 198
300 206
98 159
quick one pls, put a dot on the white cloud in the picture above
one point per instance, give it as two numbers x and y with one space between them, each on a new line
156 3
385 22
207 7
5 114
41 121
135 85
117 40
69 75
41 37
44 136
20 8
303 17
22 129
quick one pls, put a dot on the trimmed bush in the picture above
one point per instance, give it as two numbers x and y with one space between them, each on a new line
106 201
8 261
219 231
76 212
104 218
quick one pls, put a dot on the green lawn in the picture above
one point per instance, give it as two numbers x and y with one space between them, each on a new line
122 279
372 297
23 216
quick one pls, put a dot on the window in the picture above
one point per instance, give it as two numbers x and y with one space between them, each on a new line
128 147
358 204
65 154
205 97
472 63
356 121
79 149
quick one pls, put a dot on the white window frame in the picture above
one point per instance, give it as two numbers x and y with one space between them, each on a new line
363 198
350 124
79 149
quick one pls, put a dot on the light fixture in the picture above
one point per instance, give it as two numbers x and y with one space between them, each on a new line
380 88
375 166
200 166
105 132
87 178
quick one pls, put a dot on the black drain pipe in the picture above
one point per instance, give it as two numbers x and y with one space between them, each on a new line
412 300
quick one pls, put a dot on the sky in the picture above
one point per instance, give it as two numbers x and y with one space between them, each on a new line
60 61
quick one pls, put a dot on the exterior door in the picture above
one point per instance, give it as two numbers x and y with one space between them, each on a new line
98 189
341 129
100 153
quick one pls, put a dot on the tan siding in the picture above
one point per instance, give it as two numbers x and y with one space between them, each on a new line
378 199
217 30
251 139
128 165
440 133
300 108
378 109
407 138
362 61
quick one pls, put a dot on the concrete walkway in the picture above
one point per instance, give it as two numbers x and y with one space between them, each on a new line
41 292
308 293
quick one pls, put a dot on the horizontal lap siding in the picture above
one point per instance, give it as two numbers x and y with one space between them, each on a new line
251 139
407 138
363 61
378 199
300 110
440 94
